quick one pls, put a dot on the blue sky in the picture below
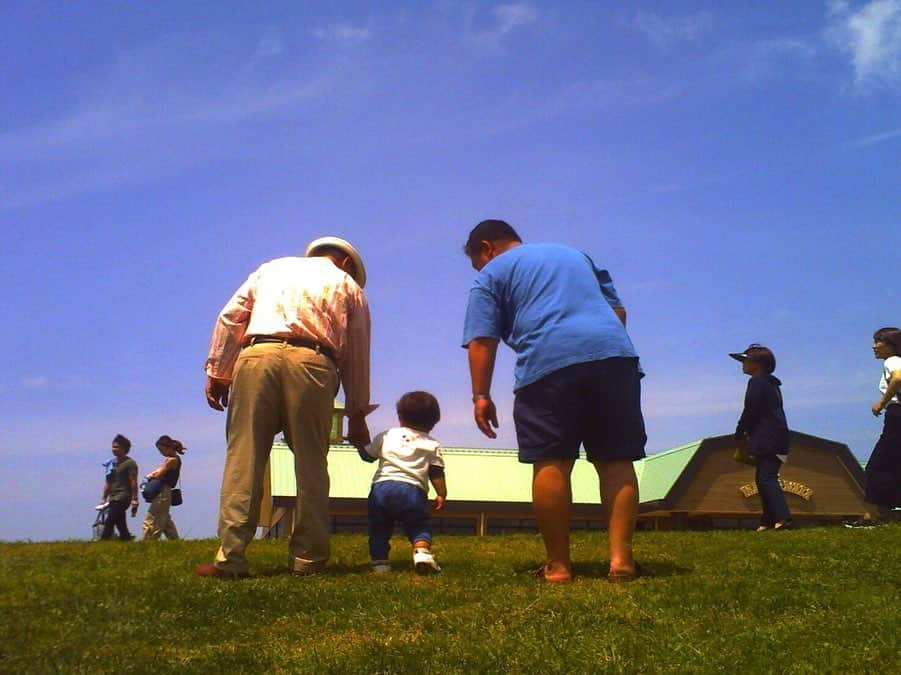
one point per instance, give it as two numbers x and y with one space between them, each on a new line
737 171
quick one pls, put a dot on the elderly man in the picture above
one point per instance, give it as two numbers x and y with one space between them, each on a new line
576 381
280 346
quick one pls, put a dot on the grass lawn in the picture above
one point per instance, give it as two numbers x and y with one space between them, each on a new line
811 600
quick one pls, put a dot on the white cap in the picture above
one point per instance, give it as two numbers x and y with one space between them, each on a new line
336 242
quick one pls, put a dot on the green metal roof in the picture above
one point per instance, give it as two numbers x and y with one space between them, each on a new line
657 473
482 475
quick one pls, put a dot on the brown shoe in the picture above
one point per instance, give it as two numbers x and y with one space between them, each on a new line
210 570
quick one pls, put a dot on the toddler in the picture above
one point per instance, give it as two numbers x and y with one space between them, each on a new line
408 460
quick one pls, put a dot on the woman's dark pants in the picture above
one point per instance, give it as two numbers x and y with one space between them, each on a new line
772 498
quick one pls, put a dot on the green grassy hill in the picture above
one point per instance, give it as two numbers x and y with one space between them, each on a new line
814 600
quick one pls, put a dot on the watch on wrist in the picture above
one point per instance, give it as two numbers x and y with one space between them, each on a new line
481 397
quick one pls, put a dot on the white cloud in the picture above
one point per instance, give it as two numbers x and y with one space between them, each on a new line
871 36
511 17
505 19
154 110
664 31
775 57
876 138
343 32
271 44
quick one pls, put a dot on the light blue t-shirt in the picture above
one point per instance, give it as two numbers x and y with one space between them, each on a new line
551 305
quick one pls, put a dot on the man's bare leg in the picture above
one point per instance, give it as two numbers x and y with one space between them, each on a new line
619 494
552 500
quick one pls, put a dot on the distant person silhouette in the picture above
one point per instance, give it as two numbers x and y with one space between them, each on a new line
120 489
158 520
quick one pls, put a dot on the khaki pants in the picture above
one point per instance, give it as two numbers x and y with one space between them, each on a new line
277 387
158 520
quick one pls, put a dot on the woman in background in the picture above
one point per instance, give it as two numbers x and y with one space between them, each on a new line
159 521
883 472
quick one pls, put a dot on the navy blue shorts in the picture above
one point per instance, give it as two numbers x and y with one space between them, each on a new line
595 404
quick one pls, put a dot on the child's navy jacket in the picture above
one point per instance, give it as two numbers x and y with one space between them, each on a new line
763 418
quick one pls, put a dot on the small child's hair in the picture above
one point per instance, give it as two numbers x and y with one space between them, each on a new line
122 442
890 336
418 409
172 443
762 355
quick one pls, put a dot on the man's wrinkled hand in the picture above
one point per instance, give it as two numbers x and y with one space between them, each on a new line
485 415
358 432
217 393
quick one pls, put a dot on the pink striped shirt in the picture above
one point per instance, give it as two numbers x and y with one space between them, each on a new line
303 297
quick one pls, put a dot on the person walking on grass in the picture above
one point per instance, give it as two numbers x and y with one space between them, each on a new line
763 427
409 458
281 345
577 381
120 489
158 520
883 471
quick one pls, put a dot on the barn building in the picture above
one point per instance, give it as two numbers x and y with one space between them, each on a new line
695 486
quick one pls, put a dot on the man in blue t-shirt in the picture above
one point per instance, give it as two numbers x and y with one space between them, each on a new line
577 381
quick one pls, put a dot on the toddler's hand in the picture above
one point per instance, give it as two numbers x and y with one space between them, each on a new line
439 503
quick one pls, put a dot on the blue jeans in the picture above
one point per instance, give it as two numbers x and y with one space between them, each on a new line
772 498
391 501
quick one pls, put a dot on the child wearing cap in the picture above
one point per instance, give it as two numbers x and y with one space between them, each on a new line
408 460
763 426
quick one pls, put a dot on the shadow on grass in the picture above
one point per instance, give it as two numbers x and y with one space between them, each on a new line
330 570
598 570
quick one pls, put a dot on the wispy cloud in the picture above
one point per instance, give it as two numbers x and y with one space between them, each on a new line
156 108
524 110
511 17
876 138
667 395
768 58
665 31
871 36
271 44
505 19
343 32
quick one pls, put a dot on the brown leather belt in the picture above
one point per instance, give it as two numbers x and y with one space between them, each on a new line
293 341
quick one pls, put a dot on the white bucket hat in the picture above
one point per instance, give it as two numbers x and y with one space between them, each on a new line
336 242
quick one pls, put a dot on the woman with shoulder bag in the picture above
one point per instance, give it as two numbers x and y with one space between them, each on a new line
159 489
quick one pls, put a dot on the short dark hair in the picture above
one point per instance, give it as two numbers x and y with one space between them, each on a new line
489 230
418 409
891 336
122 442
763 356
